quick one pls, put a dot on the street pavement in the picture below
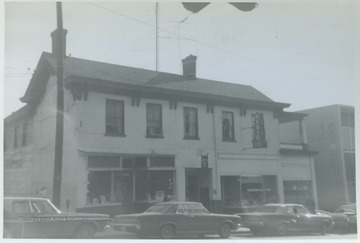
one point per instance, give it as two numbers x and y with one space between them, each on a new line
239 234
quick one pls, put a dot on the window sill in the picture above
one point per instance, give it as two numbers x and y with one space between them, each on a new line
154 136
229 140
191 138
114 135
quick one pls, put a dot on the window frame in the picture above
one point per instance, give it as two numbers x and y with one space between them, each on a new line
155 135
18 136
27 133
232 126
196 123
115 116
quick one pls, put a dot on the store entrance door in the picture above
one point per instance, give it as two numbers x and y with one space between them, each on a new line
198 185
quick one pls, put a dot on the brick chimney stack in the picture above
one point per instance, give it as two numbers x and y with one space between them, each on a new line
55 35
189 67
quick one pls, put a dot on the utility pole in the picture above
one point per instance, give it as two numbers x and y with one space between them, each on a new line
157 35
59 133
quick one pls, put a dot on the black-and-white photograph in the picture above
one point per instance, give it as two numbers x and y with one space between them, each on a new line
180 120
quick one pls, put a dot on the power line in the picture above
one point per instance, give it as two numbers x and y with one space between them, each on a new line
205 44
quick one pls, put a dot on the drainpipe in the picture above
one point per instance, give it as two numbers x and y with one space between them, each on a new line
215 156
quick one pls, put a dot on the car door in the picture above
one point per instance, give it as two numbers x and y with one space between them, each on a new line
17 213
305 218
199 218
49 222
183 221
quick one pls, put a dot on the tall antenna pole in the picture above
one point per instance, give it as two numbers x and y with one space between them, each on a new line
59 133
157 36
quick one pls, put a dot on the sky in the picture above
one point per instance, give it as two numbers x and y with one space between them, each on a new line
303 53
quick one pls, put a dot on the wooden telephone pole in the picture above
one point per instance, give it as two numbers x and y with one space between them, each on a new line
59 133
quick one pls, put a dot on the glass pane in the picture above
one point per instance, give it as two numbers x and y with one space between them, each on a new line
21 207
161 181
140 162
141 185
103 161
122 188
162 162
99 186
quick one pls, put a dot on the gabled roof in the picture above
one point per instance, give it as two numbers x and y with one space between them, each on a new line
100 73
24 111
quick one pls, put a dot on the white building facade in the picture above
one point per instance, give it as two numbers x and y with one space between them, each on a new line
132 136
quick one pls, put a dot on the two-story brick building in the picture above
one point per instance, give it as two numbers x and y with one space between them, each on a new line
132 136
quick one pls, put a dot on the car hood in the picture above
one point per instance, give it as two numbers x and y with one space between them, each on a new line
74 214
254 215
224 215
134 216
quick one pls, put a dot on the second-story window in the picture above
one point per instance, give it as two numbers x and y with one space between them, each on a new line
228 126
114 117
27 133
190 123
153 120
17 137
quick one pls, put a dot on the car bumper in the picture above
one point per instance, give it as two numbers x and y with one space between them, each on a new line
134 228
252 224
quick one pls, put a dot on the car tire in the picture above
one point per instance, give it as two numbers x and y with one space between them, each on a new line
225 231
167 231
85 231
281 229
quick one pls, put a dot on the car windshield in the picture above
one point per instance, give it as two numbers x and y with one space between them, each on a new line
162 208
268 209
43 207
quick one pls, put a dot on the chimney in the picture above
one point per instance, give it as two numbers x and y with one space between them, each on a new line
189 67
55 35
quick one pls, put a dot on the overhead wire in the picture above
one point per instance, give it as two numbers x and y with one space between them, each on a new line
204 43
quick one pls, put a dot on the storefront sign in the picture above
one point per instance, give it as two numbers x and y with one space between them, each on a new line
204 161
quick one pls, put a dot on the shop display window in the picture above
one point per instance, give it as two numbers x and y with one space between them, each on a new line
297 191
243 191
137 178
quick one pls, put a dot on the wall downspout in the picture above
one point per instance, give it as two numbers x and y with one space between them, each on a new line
216 188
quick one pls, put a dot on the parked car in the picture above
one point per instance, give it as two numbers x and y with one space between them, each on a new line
282 218
32 217
169 218
350 212
341 221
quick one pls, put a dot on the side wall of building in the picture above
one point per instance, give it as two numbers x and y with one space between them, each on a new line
323 132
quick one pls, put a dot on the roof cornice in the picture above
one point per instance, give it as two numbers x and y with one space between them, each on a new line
159 92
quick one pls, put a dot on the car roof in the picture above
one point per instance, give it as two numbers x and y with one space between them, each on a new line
283 204
178 202
26 198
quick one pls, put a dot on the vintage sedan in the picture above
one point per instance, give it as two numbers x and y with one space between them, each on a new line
33 217
282 218
341 221
169 218
350 212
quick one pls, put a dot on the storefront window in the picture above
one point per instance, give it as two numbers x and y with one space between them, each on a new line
297 191
242 191
110 181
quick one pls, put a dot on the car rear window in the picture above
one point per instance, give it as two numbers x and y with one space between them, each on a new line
162 208
269 209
